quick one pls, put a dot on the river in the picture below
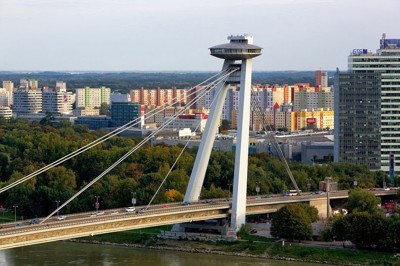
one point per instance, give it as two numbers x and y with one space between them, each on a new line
68 253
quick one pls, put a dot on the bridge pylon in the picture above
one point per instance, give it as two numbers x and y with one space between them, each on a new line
238 53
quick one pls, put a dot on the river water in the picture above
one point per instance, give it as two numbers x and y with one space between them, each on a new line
68 253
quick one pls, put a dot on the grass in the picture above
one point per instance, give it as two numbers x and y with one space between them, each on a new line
144 236
259 246
7 217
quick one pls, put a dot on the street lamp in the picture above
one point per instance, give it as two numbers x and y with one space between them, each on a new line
97 204
15 212
229 187
257 188
58 202
133 199
328 178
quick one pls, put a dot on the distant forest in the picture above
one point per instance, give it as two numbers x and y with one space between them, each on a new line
125 81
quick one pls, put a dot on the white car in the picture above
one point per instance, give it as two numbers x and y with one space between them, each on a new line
61 218
130 209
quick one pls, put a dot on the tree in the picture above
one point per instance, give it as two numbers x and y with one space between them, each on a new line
293 222
225 125
362 201
366 230
104 109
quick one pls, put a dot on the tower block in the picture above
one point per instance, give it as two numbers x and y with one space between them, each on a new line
238 53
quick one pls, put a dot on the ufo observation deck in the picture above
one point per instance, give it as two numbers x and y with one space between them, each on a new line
239 48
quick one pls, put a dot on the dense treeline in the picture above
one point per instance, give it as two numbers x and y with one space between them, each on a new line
366 225
125 81
26 147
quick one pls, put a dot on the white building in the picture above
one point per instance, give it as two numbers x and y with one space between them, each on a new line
27 101
5 97
196 122
9 87
6 112
61 86
57 102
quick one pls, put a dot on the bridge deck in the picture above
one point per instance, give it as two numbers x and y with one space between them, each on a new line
82 224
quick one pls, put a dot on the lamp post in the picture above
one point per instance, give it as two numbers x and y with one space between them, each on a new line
257 188
97 204
58 202
15 212
133 199
328 178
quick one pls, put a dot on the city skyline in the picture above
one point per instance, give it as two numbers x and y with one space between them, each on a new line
175 35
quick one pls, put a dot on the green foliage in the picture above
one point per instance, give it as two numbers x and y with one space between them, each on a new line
225 125
104 109
364 229
362 201
26 147
293 222
244 231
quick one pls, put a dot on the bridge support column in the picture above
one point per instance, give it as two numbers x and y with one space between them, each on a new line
321 205
238 217
207 141
240 49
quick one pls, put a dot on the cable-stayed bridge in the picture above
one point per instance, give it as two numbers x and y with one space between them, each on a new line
236 70
87 224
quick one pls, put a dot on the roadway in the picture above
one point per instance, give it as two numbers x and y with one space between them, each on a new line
114 220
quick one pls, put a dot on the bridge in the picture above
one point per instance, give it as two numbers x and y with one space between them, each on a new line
88 224
236 70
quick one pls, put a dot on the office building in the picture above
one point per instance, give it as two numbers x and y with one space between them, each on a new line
54 101
86 111
27 101
125 112
196 122
367 108
94 122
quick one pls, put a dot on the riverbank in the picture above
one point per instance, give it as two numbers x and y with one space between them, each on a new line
256 247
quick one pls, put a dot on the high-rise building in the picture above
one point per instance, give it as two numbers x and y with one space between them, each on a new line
313 98
93 97
367 108
28 84
158 96
61 86
9 87
5 97
321 78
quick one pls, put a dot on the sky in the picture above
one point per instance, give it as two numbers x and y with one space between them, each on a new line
174 35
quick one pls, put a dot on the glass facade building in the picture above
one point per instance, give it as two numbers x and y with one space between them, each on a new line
124 112
367 108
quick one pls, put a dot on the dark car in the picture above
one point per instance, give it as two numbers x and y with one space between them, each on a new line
34 221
